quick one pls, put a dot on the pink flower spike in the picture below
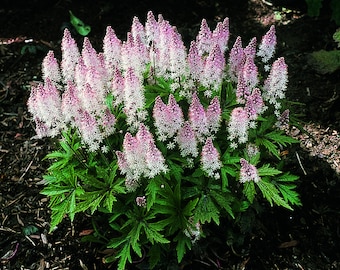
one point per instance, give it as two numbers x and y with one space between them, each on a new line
267 46
204 38
210 158
242 90
250 50
238 125
221 34
195 61
214 115
197 116
122 163
248 172
70 56
133 98
276 84
236 59
175 115
151 28
154 160
89 55
111 49
71 104
214 68
186 141
254 104
89 130
137 29
50 68
130 144
250 73
117 87
144 137
108 121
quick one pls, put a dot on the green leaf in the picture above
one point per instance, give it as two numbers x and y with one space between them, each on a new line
224 200
78 24
249 191
266 170
206 210
151 232
271 193
183 243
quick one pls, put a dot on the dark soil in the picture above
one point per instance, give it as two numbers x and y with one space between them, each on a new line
308 238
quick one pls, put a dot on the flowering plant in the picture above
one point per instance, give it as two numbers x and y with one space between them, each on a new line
161 139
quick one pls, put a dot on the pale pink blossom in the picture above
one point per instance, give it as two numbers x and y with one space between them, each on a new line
204 38
267 46
70 104
195 62
236 59
250 50
214 69
248 172
151 28
242 90
133 98
168 118
50 68
70 56
187 141
89 130
250 73
254 104
238 125
141 201
210 158
213 115
276 84
197 117
220 35
111 50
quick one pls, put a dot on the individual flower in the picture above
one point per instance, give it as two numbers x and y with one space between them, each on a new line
210 158
141 201
267 45
276 84
248 172
238 126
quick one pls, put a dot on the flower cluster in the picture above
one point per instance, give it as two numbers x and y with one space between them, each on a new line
149 116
